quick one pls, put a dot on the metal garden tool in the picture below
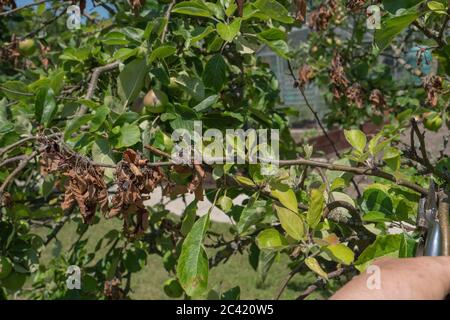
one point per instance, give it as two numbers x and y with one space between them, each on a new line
429 226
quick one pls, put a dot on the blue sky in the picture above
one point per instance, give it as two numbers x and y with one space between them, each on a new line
89 7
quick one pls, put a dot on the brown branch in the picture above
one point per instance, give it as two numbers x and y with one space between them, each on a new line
16 171
12 159
157 151
316 116
431 34
23 141
315 286
6 13
93 83
58 227
355 170
423 150
167 18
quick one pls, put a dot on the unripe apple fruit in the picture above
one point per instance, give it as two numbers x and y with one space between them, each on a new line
155 101
27 47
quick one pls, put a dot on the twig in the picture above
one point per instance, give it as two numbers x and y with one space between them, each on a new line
431 34
23 141
6 13
315 286
157 151
423 151
355 170
167 18
12 159
316 116
16 171
58 227
93 83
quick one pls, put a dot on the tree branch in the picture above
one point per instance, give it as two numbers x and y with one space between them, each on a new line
16 171
93 83
316 116
315 286
32 4
167 18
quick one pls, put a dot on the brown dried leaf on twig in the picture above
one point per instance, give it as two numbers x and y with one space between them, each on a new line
134 179
355 5
338 77
136 5
305 75
112 289
300 14
6 200
87 189
320 17
377 101
355 94
7 3
433 87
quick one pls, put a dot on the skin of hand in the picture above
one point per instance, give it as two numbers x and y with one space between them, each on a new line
422 278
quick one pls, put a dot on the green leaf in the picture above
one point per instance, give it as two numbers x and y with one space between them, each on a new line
215 72
205 104
375 146
314 265
161 53
102 153
15 90
377 200
252 213
228 31
340 253
394 25
392 158
271 239
272 34
193 8
98 118
285 195
125 53
274 10
315 210
75 124
192 268
48 107
190 213
131 80
291 222
245 181
192 85
436 6
356 138
225 203
384 246
280 47
129 135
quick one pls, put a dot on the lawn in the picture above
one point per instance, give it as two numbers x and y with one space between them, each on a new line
148 283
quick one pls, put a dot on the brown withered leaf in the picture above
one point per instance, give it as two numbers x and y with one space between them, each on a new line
6 199
136 5
7 3
355 5
112 289
305 75
320 18
134 179
338 78
355 94
377 100
433 87
300 14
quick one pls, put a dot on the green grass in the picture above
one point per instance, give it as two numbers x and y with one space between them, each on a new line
148 283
